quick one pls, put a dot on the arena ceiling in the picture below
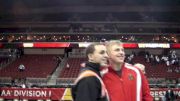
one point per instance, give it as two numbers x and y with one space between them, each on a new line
50 3
56 6
13 12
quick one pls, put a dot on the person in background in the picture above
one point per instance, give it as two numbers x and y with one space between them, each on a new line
89 85
170 95
21 67
67 66
124 82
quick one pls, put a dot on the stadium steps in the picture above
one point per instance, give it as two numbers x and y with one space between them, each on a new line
55 75
74 68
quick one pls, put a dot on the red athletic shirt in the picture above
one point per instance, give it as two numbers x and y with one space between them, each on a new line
128 85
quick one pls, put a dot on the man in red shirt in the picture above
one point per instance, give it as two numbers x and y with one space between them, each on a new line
124 82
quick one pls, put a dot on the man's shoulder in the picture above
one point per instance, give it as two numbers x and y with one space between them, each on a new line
108 74
130 67
89 81
87 75
127 65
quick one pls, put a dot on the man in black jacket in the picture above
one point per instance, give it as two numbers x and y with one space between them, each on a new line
89 85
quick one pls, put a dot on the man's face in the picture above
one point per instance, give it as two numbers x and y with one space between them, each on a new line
116 54
99 55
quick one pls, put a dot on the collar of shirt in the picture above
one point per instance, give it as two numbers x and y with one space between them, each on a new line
119 73
93 66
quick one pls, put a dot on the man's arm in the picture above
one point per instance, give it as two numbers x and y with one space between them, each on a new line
88 89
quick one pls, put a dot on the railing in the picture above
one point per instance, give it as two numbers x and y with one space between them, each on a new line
68 82
79 55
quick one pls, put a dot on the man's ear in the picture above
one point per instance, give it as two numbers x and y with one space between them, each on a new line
90 57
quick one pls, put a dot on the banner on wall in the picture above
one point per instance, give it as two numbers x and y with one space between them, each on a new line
84 44
57 93
160 92
32 93
153 45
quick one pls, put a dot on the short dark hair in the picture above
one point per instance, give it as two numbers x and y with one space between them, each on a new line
91 48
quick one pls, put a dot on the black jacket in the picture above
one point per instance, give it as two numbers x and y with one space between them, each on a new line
88 88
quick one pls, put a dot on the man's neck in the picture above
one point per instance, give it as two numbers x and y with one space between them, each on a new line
117 67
